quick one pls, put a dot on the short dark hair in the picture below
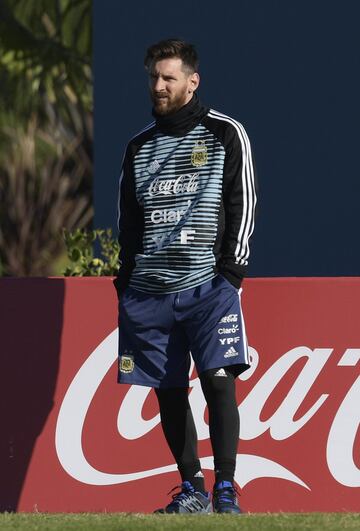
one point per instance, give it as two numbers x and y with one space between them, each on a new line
169 48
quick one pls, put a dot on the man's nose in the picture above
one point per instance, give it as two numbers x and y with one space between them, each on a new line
159 85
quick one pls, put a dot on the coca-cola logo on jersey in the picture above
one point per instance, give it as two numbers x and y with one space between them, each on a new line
292 415
184 184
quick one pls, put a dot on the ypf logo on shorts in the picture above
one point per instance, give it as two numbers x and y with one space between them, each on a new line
229 340
126 364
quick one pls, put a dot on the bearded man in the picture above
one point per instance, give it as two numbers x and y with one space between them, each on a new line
186 214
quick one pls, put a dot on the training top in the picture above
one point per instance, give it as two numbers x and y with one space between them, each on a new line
187 199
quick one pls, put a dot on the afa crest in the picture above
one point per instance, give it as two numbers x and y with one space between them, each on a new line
126 364
199 155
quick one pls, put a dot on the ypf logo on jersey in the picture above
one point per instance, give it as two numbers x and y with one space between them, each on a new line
199 155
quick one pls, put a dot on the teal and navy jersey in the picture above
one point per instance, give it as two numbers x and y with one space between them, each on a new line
186 206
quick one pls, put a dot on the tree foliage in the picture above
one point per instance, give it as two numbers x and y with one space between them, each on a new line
46 57
46 133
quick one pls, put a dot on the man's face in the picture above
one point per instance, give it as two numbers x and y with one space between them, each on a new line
171 86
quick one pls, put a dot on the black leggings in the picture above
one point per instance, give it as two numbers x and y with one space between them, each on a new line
180 432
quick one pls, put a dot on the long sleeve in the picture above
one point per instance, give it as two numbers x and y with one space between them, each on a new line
130 223
239 204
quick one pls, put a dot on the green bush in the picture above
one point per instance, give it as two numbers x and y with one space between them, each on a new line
80 248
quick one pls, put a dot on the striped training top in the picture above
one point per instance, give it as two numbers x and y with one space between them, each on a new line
186 208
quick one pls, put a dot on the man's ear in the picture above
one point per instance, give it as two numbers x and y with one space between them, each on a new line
194 82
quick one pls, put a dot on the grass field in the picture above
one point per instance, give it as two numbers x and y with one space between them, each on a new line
129 522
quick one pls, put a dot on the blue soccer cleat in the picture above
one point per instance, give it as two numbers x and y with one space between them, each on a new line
188 501
225 498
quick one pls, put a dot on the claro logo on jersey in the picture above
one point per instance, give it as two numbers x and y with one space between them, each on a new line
168 215
298 410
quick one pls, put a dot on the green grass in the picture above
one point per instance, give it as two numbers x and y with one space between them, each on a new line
129 522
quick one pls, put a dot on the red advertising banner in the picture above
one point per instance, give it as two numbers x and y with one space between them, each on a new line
74 440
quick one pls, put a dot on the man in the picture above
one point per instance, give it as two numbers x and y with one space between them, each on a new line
186 213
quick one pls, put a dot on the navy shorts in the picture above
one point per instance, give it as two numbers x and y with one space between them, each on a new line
157 333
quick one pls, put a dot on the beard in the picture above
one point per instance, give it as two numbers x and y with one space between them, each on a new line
166 104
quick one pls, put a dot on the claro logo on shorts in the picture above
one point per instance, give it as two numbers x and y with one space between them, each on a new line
231 330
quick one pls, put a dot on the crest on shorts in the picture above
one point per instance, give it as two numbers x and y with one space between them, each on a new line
126 364
199 155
